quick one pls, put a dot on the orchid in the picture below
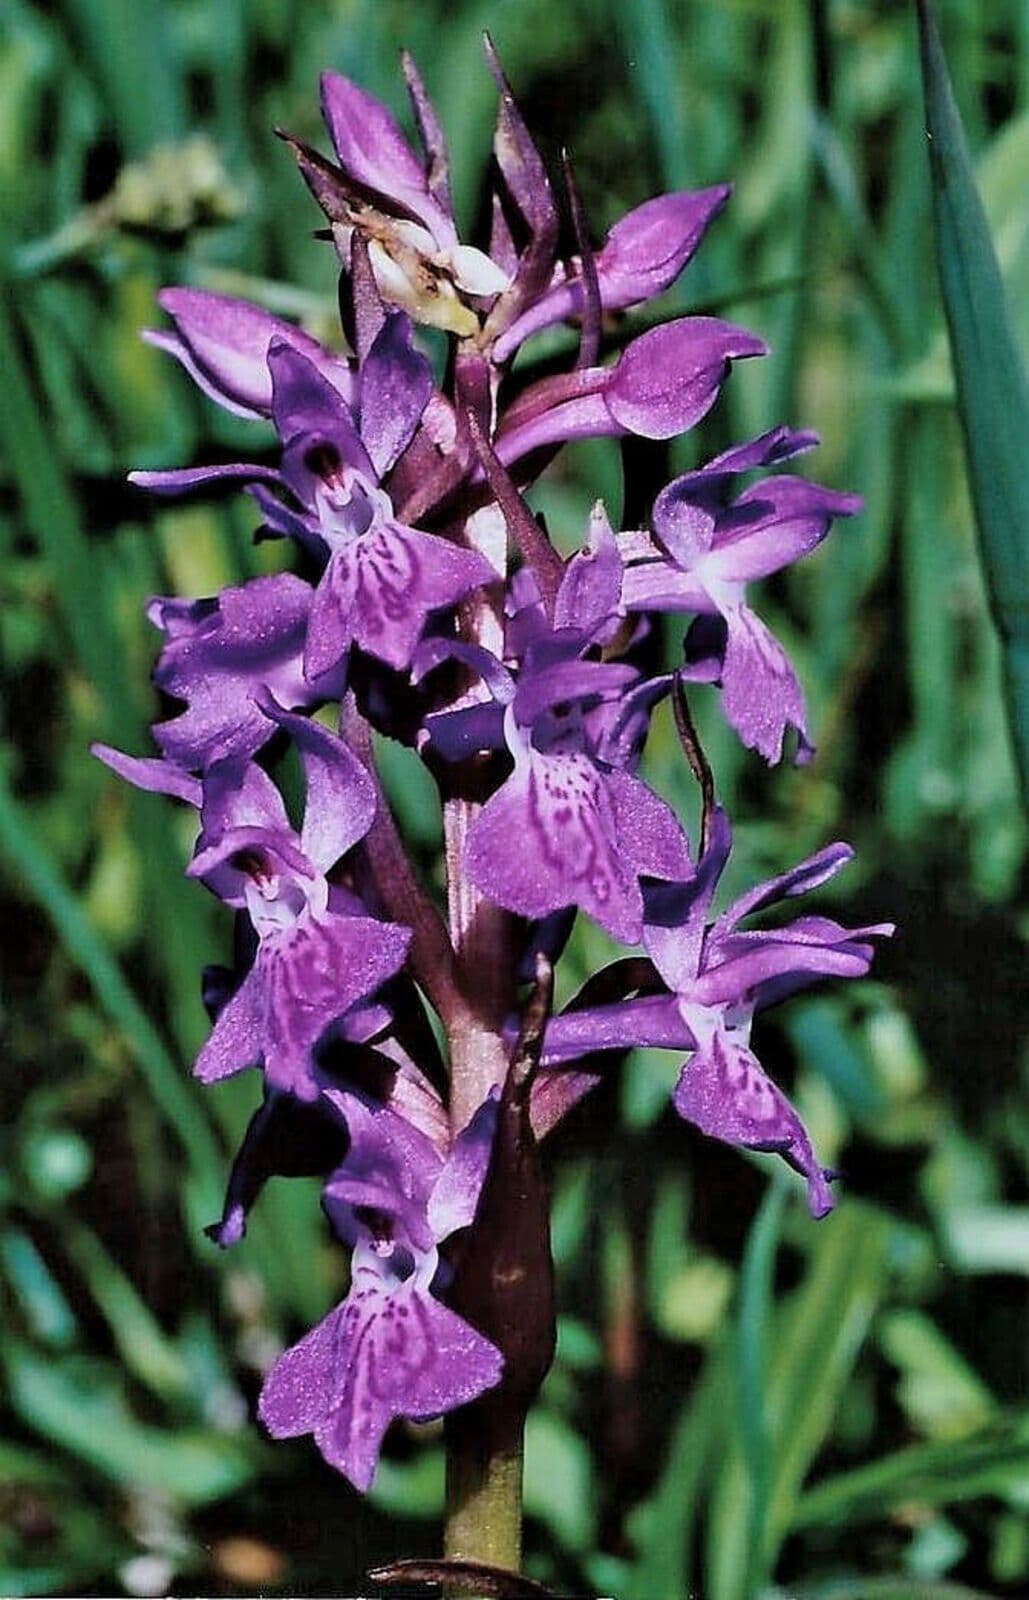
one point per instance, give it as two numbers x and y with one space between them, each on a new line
391 1348
401 205
223 343
702 555
664 382
715 978
431 607
317 956
642 256
223 657
381 579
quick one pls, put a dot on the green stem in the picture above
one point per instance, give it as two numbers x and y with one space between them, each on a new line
484 1487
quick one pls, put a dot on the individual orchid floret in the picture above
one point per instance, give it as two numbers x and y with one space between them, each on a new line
717 976
662 384
399 204
317 955
381 578
591 828
289 1137
544 655
641 257
391 1349
223 657
589 832
316 958
378 409
223 344
704 551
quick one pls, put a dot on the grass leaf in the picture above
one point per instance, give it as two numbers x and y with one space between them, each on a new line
992 395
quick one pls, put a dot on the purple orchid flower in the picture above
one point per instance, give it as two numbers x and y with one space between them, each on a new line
703 554
587 615
287 1136
318 956
417 258
381 579
717 977
391 1349
661 384
223 658
590 829
223 344
642 256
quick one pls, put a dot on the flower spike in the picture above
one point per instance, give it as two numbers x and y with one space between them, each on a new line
431 610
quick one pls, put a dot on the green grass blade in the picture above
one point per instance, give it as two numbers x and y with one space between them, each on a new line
992 395
865 1588
36 1290
79 1405
663 1527
51 513
163 1076
992 1462
751 1355
817 1339
650 45
821 1339
145 1349
131 47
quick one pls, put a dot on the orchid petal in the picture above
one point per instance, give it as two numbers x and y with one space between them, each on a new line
772 525
386 1352
761 696
224 342
669 378
396 382
642 256
726 1093
221 656
455 1197
372 149
591 589
180 480
151 774
340 804
237 1039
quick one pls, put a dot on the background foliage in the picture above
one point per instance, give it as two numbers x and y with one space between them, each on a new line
742 1399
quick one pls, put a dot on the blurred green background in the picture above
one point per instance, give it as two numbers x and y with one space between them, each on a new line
744 1403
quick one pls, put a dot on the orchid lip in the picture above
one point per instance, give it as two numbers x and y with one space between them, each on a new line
348 506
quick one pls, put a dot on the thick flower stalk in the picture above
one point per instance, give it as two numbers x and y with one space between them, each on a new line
428 605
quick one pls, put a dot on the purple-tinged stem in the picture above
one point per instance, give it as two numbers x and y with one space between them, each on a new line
484 1448
432 954
482 934
505 1287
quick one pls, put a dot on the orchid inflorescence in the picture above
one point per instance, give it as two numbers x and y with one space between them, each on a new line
432 608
